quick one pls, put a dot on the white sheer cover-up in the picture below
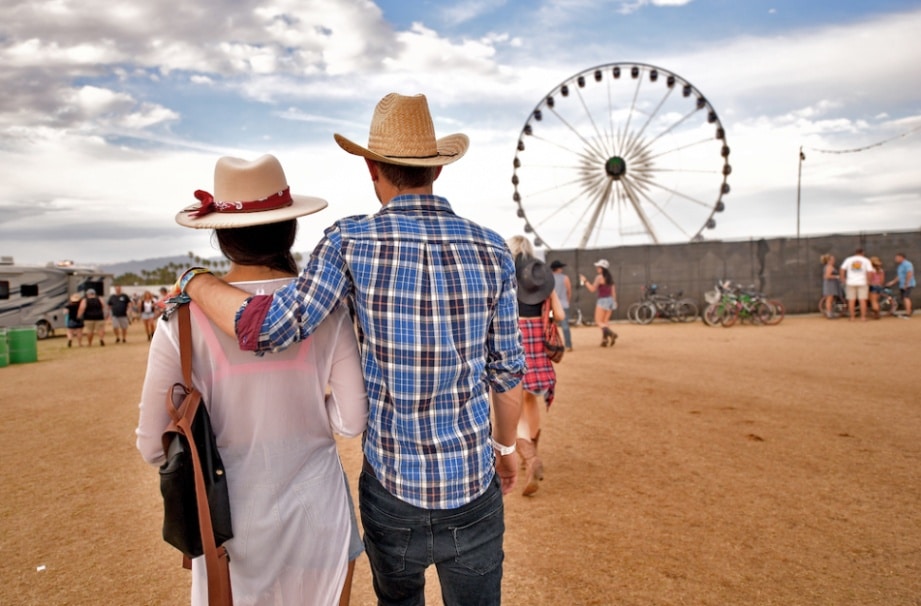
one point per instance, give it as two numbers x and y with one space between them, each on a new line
274 419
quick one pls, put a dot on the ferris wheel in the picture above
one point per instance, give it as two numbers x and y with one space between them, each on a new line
621 153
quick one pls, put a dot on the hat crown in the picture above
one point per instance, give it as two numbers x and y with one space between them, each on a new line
236 179
402 126
402 133
535 281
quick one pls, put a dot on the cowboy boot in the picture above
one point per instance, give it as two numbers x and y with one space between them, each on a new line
538 462
533 467
610 336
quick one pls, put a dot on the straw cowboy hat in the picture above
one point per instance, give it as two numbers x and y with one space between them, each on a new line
402 133
876 261
535 281
602 263
247 192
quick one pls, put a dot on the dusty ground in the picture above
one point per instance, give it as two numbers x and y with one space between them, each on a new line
688 465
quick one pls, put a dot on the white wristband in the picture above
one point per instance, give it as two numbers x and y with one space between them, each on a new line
502 449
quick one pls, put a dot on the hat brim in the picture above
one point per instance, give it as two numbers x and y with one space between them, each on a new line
300 206
450 149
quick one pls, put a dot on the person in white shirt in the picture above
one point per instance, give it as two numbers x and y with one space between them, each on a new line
854 274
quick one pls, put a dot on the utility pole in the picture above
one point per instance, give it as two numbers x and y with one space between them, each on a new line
799 181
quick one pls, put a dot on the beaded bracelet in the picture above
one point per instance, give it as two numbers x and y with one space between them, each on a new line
187 276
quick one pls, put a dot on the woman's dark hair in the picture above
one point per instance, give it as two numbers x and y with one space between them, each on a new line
268 245
608 278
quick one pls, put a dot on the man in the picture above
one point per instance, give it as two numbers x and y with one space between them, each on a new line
563 288
119 303
92 312
854 274
905 276
434 297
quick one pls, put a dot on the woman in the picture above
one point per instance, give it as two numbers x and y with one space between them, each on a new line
831 285
535 287
272 416
73 322
149 311
603 284
876 278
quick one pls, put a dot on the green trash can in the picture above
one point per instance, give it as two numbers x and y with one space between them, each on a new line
4 349
23 344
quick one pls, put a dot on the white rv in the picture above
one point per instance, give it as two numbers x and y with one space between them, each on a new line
36 296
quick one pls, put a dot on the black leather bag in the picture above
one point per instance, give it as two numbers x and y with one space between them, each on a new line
196 502
181 527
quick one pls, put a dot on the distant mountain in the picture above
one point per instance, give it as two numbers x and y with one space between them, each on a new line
136 267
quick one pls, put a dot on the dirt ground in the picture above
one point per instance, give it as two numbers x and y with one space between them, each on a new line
687 465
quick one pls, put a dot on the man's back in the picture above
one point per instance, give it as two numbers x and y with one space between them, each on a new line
430 289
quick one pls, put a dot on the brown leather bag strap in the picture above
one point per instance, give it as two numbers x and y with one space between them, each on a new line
217 561
185 345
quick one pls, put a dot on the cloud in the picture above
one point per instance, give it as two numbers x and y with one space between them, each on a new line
468 10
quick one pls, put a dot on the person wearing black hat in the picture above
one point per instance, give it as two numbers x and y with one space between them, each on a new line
563 288
535 287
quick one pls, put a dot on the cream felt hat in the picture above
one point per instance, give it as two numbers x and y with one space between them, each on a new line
402 133
247 192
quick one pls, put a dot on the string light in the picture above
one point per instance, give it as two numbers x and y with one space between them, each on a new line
864 148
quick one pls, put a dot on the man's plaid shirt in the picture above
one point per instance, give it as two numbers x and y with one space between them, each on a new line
435 300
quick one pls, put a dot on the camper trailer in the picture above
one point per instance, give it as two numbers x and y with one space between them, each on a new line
36 296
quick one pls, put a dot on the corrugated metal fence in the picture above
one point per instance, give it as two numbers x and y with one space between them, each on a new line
783 268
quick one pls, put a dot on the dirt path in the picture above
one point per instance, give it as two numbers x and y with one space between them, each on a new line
688 465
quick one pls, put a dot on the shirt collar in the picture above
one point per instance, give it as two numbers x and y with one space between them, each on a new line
424 203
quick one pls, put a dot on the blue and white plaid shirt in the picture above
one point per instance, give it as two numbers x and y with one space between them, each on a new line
435 299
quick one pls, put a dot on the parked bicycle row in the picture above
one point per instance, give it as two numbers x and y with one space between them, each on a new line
732 303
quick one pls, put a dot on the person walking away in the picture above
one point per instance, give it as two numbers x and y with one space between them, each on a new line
536 284
603 285
905 278
119 303
72 320
875 280
272 417
563 289
434 299
855 272
93 313
831 284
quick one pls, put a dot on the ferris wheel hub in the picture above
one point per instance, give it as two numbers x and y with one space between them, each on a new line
616 167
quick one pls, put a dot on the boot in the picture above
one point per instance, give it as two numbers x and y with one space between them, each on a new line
609 337
533 466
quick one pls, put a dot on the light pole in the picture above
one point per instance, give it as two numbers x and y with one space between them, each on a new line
799 180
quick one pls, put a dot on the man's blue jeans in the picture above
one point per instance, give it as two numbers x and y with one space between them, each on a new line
465 544
563 323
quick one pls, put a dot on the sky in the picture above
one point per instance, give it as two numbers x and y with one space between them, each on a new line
112 115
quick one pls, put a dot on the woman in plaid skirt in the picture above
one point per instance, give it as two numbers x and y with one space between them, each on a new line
535 288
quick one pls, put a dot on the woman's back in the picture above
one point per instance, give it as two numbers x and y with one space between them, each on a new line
274 425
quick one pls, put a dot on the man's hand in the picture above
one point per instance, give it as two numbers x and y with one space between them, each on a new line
507 468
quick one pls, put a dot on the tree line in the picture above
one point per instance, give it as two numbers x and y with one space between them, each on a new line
168 273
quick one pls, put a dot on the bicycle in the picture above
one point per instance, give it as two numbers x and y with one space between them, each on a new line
888 304
729 304
654 305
